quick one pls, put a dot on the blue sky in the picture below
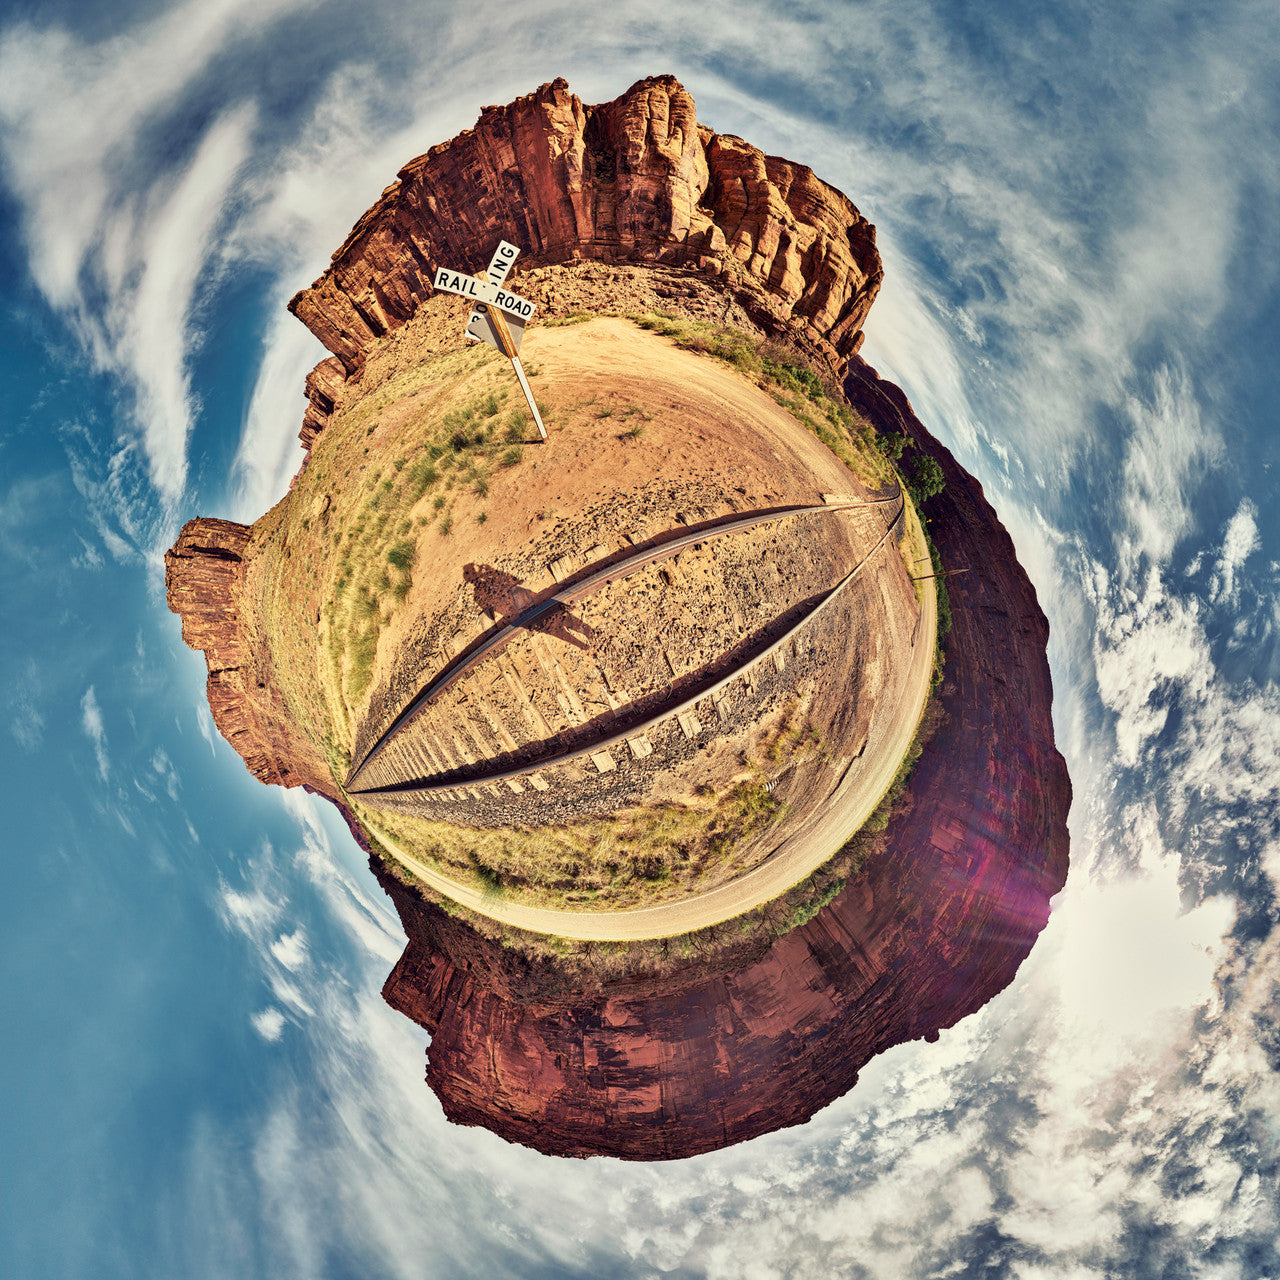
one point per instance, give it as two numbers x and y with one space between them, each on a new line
1077 208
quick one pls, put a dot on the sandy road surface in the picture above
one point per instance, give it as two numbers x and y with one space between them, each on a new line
855 797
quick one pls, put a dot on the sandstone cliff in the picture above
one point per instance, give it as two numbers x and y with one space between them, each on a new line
924 936
633 180
203 575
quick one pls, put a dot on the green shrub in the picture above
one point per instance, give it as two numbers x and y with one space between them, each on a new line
926 479
891 444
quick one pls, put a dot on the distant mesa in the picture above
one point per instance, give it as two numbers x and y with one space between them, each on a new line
624 717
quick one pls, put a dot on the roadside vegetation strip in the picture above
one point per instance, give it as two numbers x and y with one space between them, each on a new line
502 635
809 392
422 786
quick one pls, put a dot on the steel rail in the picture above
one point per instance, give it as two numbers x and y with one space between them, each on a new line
420 786
465 662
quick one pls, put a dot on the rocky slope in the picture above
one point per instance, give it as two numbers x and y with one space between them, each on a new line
924 936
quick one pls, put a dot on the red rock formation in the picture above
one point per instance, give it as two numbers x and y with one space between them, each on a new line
324 385
933 927
924 936
633 180
203 573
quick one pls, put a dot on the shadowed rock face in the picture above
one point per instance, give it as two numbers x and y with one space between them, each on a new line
925 935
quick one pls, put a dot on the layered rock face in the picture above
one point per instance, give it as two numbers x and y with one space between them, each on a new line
633 180
203 574
927 933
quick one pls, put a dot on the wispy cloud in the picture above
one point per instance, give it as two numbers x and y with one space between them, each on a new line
91 722
27 720
118 244
1239 543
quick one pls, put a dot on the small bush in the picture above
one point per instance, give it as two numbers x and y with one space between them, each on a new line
891 444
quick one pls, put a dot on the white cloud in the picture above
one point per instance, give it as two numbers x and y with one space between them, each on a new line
270 453
1166 455
268 1023
1239 543
91 722
163 767
252 912
148 327
290 949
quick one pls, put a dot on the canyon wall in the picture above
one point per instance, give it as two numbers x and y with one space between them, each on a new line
925 935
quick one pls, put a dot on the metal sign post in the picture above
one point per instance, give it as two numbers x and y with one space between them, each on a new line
499 316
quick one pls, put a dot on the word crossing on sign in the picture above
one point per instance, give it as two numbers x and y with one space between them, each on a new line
500 315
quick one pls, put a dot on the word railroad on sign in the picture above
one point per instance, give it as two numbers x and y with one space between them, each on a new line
499 316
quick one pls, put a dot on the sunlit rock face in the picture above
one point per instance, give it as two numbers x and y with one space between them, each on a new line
624 209
633 180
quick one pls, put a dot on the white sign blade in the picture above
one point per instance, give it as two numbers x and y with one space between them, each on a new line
468 286
500 264
483 291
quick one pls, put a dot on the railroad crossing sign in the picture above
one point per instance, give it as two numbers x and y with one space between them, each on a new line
499 316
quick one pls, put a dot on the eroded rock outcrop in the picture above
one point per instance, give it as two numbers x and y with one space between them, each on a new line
925 935
633 180
203 575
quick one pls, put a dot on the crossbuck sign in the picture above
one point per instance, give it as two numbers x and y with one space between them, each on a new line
499 316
